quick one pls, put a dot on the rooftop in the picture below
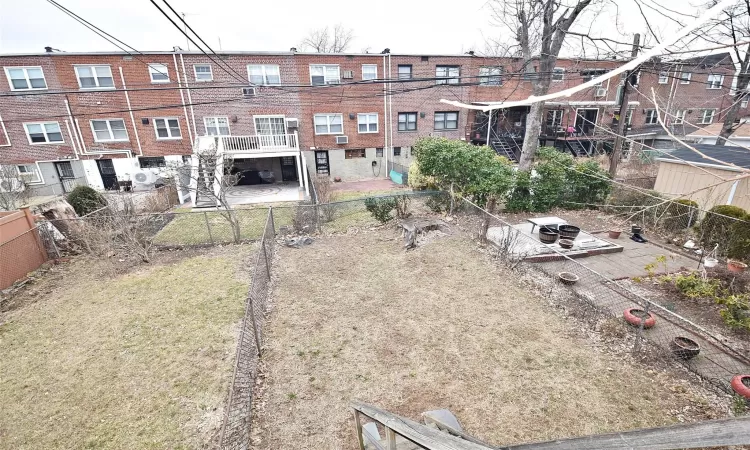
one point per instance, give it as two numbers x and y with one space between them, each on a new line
739 130
737 156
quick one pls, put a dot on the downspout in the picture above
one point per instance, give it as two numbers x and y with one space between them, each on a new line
130 110
182 95
73 141
72 121
390 113
82 143
672 93
385 114
732 192
189 97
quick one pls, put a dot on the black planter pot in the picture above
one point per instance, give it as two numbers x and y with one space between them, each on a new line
684 348
548 235
636 229
568 231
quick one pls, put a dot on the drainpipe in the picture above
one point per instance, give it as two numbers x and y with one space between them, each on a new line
732 192
489 127
182 95
672 92
390 114
79 135
189 97
130 110
385 114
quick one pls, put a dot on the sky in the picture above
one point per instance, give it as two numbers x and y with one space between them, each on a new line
404 26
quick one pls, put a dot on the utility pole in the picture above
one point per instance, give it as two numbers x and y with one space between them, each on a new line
617 150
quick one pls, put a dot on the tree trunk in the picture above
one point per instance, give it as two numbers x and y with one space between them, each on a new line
490 207
531 138
728 126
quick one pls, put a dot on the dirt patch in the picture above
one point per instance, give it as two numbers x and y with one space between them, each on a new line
441 326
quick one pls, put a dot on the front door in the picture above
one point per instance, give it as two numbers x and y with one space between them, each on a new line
321 162
66 175
109 176
586 120
288 168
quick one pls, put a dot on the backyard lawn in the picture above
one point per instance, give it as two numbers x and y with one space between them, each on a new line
137 360
441 326
191 228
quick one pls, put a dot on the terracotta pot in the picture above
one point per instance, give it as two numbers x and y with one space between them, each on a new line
741 385
736 266
336 179
633 316
614 234
684 348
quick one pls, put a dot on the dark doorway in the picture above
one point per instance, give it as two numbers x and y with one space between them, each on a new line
321 162
109 176
288 168
66 175
586 120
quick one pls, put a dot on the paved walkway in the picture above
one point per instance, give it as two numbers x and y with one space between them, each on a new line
376 184
264 193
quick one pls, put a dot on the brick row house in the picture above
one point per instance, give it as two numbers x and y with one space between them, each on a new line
109 118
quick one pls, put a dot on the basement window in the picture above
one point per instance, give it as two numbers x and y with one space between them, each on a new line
152 162
356 153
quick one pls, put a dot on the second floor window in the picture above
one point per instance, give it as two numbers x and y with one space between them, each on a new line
447 74
25 78
203 72
685 77
216 126
324 74
109 130
707 116
43 132
404 71
92 77
167 128
679 117
369 71
715 81
651 117
490 76
159 73
264 74
407 121
446 120
329 124
558 74
663 77
367 123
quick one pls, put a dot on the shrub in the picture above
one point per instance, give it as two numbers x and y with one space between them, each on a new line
680 214
419 181
739 239
736 311
693 286
381 208
715 228
85 200
587 182
439 203
520 196
549 182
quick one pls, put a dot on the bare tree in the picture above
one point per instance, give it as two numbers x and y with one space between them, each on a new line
13 192
539 28
323 40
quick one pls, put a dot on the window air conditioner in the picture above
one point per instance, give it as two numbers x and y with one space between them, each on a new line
342 139
292 123
248 92
600 92
348 74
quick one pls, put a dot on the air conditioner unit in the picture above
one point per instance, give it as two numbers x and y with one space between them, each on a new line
348 74
600 92
342 139
248 92
145 177
292 123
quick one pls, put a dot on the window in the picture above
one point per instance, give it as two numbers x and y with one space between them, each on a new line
28 173
629 117
679 117
216 126
446 120
651 117
685 77
407 121
151 162
447 74
43 133
707 116
715 81
590 74
744 103
379 152
554 118
159 73
369 71
264 74
93 77
529 73
663 77
396 151
329 124
324 74
203 72
404 71
357 153
65 169
558 74
367 123
270 125
490 76
25 78
109 130
167 128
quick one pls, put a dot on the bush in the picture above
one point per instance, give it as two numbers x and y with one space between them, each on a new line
381 208
439 202
588 183
739 239
549 182
417 180
715 228
736 311
520 196
680 214
85 200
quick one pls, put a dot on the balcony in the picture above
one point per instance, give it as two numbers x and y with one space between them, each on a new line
248 145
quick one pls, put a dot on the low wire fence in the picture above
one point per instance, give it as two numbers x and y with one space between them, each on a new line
235 430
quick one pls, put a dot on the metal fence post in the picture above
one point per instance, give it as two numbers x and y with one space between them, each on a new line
270 217
265 258
208 226
639 334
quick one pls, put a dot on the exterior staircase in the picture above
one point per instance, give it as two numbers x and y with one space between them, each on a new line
577 148
505 146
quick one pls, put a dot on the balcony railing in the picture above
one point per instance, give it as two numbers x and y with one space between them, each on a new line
259 143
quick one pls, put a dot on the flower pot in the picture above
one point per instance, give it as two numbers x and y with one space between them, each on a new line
568 231
636 229
710 262
684 348
548 235
568 278
336 179
634 316
736 266
566 243
614 234
741 385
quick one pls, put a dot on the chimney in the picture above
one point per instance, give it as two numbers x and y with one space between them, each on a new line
293 49
48 49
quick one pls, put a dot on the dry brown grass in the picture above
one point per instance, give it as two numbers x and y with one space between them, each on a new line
356 317
135 360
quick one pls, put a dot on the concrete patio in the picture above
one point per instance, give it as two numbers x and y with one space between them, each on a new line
265 193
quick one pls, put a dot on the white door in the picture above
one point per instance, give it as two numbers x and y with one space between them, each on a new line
271 130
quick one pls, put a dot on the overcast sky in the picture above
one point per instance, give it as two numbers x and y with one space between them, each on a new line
408 26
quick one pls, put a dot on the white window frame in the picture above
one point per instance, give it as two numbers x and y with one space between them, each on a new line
710 84
94 71
34 169
205 124
328 117
679 117
152 70
265 74
195 72
367 122
684 80
44 131
326 80
109 128
652 118
664 77
448 78
370 66
703 116
491 76
5 133
169 130
26 76
561 72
